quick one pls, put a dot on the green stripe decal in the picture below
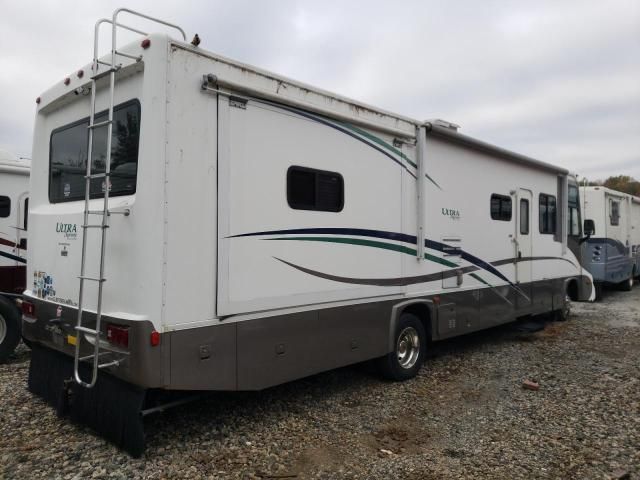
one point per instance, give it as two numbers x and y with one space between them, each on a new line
376 244
379 141
389 147
480 279
355 241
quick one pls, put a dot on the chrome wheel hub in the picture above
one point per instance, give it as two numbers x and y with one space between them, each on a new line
408 347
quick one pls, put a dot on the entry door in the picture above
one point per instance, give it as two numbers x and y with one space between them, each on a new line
524 245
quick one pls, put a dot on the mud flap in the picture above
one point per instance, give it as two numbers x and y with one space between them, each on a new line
112 407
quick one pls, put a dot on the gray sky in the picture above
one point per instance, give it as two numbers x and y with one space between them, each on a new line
556 80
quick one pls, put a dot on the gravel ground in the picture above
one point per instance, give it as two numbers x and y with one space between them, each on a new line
465 416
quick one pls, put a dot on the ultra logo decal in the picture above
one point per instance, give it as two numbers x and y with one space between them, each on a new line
452 213
70 230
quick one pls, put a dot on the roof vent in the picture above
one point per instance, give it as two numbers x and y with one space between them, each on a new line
443 123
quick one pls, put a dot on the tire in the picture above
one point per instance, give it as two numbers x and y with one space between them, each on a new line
627 285
410 340
564 313
598 287
9 328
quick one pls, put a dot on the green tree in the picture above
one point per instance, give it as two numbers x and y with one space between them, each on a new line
623 183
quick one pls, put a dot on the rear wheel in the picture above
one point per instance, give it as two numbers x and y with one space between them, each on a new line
410 340
627 285
9 328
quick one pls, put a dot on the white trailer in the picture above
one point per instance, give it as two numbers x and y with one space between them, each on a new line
262 230
14 185
613 249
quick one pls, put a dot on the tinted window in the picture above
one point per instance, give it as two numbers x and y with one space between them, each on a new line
26 212
501 207
574 212
524 216
547 213
309 189
615 213
5 206
68 156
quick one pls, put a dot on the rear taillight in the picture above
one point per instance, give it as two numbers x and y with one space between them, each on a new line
118 335
155 339
28 309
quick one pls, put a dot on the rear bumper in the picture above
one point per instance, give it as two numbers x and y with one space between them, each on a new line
141 364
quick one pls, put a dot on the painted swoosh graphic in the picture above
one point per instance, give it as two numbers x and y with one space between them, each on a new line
357 133
13 257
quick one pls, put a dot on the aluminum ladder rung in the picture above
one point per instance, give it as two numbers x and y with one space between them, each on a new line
93 279
98 175
89 357
128 55
126 212
113 363
101 124
90 331
108 71
95 226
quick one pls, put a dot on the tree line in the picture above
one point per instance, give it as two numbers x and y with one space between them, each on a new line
621 183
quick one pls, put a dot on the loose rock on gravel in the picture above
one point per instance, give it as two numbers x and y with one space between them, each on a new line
466 415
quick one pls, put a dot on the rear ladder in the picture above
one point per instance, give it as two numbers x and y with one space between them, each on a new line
104 213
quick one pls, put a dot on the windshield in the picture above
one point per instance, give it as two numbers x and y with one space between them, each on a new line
68 156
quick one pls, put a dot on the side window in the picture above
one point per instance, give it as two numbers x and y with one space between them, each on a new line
500 207
26 212
547 213
615 213
524 216
574 212
5 206
310 189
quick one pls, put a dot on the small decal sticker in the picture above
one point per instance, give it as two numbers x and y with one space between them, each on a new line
67 189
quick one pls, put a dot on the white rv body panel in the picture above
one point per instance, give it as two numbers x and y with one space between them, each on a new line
135 249
14 193
214 257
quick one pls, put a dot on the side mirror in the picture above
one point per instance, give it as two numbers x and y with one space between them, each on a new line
589 227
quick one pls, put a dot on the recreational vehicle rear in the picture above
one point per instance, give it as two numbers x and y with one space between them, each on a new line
613 249
236 229
14 187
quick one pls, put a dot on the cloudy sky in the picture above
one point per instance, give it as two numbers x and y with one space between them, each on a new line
556 80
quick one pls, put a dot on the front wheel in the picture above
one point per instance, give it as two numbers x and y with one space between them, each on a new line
627 285
410 340
9 328
564 313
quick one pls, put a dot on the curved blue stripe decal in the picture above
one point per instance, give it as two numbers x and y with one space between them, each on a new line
400 237
13 257
357 232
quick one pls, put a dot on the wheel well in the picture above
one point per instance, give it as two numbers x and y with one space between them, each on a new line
572 289
421 311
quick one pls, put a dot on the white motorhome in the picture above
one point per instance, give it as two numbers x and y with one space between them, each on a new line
261 230
613 248
14 186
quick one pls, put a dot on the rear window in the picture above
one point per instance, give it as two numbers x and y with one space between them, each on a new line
68 156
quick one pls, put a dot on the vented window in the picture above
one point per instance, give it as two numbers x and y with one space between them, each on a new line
310 189
501 207
524 216
5 206
615 213
547 213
